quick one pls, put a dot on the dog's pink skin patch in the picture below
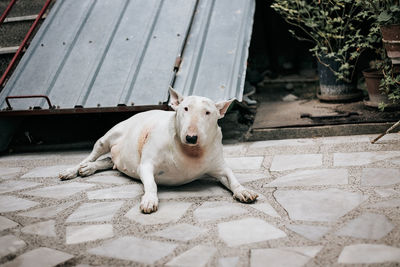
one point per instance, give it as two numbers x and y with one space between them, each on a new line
191 152
142 140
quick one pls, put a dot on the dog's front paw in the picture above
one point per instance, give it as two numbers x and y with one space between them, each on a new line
245 195
87 169
68 174
149 203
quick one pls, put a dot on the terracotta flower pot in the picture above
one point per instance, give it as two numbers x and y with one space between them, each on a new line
373 78
391 41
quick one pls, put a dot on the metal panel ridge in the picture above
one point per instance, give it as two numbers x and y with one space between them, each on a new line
101 53
214 59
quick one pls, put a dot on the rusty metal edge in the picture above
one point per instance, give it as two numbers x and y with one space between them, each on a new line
317 131
121 109
317 124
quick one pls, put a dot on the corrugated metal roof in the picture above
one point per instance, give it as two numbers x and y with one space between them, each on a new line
105 53
214 59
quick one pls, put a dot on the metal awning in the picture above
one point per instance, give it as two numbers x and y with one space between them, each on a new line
108 54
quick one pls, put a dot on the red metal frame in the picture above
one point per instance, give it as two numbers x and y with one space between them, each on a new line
8 9
28 96
25 41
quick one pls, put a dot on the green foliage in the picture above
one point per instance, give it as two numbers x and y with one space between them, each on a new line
390 84
387 12
334 26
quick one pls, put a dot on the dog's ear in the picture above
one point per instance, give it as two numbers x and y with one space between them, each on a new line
174 98
223 107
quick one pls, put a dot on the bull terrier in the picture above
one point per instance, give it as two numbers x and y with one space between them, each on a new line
166 148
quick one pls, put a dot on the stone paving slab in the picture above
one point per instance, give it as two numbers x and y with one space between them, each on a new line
46 172
195 189
47 212
110 179
228 261
362 158
386 192
125 191
291 162
85 233
6 223
245 177
245 163
380 176
322 205
59 191
323 202
10 186
7 172
166 213
46 228
215 210
10 244
134 249
197 257
311 232
369 253
247 231
287 256
266 208
10 203
181 232
367 226
40 257
95 212
312 177
392 203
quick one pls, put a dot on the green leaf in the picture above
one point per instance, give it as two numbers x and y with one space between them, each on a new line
384 16
382 106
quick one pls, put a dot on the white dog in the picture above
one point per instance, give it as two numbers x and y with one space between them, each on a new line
166 148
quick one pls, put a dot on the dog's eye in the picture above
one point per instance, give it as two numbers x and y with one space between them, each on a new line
207 112
186 108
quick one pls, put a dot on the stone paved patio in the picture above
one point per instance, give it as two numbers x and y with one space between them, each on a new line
324 201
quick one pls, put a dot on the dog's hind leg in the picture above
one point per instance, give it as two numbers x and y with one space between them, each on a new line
100 148
91 167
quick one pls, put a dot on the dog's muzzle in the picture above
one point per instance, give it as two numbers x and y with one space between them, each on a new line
191 139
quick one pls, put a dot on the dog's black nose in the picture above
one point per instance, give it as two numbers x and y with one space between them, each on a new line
191 139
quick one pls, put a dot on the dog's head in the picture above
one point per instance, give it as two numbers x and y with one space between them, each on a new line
196 117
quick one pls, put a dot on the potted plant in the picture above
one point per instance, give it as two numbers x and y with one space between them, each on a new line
390 86
335 29
383 84
373 78
387 15
383 79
